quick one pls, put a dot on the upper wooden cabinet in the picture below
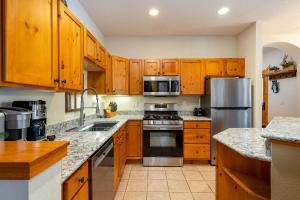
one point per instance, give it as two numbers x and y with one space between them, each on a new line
235 67
152 67
108 74
101 56
214 67
170 67
30 45
119 75
90 46
192 76
136 71
71 50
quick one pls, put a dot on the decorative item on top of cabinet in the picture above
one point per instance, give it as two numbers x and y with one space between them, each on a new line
136 72
29 44
192 76
214 67
70 62
134 139
152 67
170 67
120 75
235 67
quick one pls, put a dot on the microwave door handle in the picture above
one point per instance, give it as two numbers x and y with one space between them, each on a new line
170 85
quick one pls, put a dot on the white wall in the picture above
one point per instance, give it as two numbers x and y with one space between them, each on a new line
55 101
173 46
285 102
250 47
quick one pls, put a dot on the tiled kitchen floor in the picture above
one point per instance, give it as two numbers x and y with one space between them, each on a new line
190 182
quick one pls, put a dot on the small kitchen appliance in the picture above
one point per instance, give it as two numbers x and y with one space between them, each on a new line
37 129
161 86
162 135
198 112
14 123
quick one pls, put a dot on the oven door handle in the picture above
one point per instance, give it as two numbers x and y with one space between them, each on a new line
162 128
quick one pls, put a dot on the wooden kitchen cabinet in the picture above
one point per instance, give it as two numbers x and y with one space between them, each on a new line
136 73
71 50
235 67
192 76
134 139
108 74
76 187
197 136
101 56
170 67
90 46
214 67
152 67
120 75
29 43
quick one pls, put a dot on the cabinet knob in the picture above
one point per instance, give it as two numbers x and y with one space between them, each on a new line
64 81
56 80
81 179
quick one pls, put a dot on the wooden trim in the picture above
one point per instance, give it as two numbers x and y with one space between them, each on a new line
22 160
288 143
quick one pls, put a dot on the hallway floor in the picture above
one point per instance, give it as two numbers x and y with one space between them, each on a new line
190 182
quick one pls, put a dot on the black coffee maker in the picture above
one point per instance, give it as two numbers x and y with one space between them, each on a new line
37 129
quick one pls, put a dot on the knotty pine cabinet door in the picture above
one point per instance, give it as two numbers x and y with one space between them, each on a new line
170 67
120 75
136 72
71 50
152 67
101 56
90 46
108 74
235 67
214 67
192 76
134 139
30 43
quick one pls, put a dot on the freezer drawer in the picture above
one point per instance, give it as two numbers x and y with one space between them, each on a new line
222 119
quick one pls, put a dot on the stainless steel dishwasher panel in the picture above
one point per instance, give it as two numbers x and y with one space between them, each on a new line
102 173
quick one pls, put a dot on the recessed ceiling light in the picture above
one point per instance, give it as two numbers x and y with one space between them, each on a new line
223 11
153 12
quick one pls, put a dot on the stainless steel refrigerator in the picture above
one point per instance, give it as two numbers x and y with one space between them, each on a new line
228 102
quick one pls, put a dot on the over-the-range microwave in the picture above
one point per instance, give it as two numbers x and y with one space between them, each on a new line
161 86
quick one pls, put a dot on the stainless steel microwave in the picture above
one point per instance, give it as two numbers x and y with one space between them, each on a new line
161 86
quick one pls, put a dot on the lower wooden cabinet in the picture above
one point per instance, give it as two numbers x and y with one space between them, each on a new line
197 136
134 139
76 187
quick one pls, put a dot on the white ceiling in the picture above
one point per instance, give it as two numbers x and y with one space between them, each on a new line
189 17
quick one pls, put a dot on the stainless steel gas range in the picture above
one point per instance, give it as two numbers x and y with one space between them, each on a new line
162 135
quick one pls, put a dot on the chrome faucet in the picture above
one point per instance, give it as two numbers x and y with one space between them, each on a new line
82 115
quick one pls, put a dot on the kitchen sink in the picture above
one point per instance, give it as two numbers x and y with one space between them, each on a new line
96 126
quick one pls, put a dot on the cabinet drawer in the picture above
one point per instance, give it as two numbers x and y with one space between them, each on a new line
197 124
197 136
197 151
83 193
76 181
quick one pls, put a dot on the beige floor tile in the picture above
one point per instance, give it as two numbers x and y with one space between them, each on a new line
193 175
139 167
128 167
158 196
199 186
173 169
181 196
137 186
138 175
119 196
122 185
209 176
157 175
156 169
206 168
190 167
175 175
212 185
135 196
158 186
178 186
126 175
204 196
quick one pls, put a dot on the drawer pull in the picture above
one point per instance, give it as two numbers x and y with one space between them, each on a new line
81 179
197 152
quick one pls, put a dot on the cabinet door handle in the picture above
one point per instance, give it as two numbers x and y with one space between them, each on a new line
81 179
64 81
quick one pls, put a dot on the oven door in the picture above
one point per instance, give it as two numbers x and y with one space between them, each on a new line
162 143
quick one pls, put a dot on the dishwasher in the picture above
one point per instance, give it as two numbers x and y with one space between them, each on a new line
102 172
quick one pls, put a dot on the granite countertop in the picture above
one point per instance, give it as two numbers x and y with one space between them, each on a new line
247 142
284 129
84 144
194 118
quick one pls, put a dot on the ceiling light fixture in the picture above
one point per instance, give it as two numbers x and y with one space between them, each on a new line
153 12
223 11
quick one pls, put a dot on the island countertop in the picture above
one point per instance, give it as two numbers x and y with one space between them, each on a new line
246 141
22 160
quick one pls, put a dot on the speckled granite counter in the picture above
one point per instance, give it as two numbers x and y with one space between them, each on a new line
284 129
247 142
194 118
84 144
